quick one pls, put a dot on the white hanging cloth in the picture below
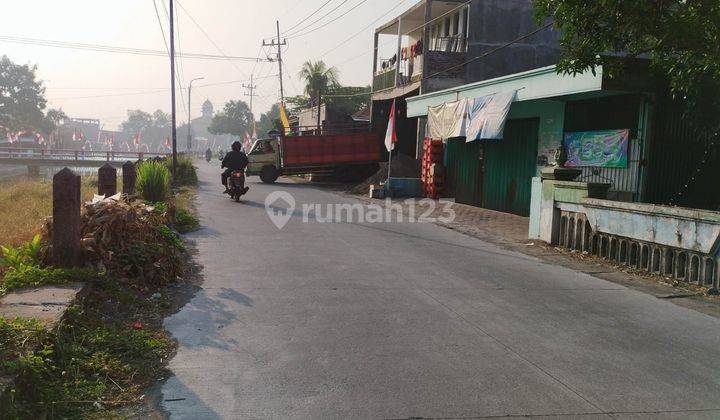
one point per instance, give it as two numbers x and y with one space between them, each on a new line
487 115
447 120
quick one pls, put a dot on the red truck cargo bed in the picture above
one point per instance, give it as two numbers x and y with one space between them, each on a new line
330 149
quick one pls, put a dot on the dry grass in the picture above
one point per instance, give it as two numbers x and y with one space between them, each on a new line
25 203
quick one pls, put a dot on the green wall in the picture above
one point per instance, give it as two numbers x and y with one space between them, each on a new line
551 114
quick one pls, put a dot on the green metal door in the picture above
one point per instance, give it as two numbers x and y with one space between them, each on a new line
464 180
509 165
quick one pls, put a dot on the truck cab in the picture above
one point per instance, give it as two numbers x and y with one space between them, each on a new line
264 160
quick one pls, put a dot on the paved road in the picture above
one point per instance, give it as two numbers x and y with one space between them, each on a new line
398 320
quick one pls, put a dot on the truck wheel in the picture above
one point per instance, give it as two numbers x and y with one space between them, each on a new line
269 174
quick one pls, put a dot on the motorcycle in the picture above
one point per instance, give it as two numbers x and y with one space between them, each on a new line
208 157
236 185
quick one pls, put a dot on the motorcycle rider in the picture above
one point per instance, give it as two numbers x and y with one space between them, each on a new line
208 154
234 160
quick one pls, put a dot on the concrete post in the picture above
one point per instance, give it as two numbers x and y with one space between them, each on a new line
129 176
66 219
107 180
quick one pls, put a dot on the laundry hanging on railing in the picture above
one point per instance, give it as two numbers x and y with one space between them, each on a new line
447 120
480 118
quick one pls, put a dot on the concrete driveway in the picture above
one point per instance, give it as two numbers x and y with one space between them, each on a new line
399 320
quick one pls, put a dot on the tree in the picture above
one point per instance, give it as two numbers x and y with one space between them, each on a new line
22 97
269 121
681 39
235 119
137 122
349 99
318 79
53 118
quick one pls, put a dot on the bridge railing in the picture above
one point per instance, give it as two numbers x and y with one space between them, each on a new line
59 154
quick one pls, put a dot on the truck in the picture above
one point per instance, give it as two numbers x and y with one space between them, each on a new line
345 156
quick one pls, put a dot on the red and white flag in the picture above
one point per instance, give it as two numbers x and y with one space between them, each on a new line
112 139
168 143
136 140
75 136
391 135
247 142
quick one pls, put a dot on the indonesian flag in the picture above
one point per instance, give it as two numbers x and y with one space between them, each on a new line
112 139
254 133
391 135
75 136
136 140
167 143
40 138
247 142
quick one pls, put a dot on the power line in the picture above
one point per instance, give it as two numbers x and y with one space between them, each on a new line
362 30
296 35
305 19
208 37
494 50
115 49
291 33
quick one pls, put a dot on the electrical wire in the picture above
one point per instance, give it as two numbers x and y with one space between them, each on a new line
290 34
208 37
115 49
329 22
304 19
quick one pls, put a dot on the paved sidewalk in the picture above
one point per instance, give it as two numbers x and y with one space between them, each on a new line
510 232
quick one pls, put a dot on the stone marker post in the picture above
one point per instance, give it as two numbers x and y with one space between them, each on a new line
128 170
66 218
107 180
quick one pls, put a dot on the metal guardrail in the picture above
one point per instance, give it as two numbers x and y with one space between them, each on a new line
77 155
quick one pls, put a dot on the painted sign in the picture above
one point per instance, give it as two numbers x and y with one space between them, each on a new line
607 149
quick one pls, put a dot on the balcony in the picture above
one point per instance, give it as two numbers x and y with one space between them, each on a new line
384 80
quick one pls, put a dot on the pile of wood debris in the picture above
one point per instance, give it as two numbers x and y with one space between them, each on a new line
130 240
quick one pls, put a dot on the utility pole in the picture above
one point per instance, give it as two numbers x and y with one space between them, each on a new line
172 86
189 124
251 92
278 44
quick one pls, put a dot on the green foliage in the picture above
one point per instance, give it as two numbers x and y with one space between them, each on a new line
186 173
90 362
681 39
152 181
318 78
34 276
22 97
170 237
185 221
27 254
269 121
235 119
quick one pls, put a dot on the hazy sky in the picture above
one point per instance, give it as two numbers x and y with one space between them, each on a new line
75 79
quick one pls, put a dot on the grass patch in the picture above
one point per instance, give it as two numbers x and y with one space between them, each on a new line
185 217
25 203
152 181
109 347
186 174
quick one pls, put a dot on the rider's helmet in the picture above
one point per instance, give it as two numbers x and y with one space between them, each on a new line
236 146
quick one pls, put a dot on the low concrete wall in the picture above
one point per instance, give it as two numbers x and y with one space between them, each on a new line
675 242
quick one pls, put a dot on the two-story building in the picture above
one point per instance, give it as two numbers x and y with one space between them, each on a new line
436 45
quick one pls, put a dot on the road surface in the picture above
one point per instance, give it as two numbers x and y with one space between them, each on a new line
399 320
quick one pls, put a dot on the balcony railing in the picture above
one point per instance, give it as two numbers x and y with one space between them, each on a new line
384 80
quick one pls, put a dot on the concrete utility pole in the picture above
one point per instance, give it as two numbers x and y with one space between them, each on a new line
251 92
172 86
278 44
189 124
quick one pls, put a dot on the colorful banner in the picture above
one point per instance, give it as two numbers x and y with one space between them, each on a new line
606 149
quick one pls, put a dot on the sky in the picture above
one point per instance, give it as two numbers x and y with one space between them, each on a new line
103 85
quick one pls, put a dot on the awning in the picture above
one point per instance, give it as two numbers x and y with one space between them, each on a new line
539 83
397 92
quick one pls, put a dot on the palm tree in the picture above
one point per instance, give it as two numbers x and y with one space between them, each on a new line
318 78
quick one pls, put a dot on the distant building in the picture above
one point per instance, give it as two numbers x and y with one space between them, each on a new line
202 138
